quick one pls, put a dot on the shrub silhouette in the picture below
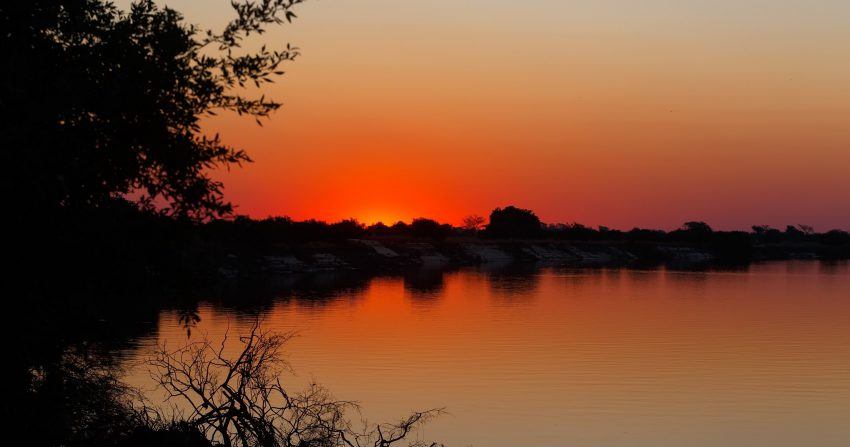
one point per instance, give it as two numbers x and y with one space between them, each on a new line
241 401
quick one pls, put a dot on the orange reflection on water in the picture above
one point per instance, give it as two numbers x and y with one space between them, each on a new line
758 357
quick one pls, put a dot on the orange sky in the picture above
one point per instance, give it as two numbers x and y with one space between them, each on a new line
608 112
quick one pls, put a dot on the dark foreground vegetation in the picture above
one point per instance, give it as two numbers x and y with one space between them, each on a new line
107 187
214 400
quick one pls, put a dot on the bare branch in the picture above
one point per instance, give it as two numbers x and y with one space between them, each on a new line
242 401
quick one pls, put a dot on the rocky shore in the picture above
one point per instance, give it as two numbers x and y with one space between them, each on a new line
387 254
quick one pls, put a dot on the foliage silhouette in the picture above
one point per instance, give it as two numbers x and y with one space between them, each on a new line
514 222
474 223
429 228
87 402
697 227
99 104
693 231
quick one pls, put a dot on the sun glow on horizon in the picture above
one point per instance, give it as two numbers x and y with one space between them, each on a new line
373 217
617 113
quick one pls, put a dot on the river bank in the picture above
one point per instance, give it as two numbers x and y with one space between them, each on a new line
389 254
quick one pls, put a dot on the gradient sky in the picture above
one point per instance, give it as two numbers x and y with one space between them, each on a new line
611 112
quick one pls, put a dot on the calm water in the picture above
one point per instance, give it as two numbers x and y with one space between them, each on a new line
757 357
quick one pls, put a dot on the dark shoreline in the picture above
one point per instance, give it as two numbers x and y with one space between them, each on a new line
394 254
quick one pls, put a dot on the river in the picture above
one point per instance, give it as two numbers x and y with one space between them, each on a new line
754 356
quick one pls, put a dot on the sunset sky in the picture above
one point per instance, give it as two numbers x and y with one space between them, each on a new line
611 112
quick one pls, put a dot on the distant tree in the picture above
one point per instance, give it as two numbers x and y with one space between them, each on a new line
607 233
400 228
835 237
473 223
791 231
767 234
808 230
98 103
760 229
347 229
429 228
573 231
692 232
642 234
697 227
378 229
514 222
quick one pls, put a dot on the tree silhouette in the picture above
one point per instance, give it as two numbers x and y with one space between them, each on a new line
760 230
697 227
473 223
808 230
100 104
429 228
511 221
693 232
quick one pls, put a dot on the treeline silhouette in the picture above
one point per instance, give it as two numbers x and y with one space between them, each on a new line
120 245
505 223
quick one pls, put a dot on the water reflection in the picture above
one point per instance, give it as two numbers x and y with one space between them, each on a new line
424 284
832 267
756 356
513 282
